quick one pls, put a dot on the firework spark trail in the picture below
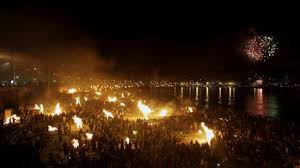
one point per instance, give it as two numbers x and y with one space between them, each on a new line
261 48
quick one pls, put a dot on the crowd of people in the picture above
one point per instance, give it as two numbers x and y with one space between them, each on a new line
239 140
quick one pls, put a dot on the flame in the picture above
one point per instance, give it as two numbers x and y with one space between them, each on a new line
50 128
39 108
112 99
89 136
77 121
12 119
75 143
163 113
144 109
122 95
36 107
190 109
77 99
209 134
71 91
134 132
98 93
122 104
127 140
108 114
85 99
200 131
57 110
94 87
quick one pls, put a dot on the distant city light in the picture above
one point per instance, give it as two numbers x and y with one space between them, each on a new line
259 82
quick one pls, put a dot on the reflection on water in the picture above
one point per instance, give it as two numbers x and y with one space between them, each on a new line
255 101
273 107
233 92
174 92
207 94
229 95
220 96
181 92
258 104
197 90
263 105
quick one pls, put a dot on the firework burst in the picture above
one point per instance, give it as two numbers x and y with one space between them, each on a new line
260 48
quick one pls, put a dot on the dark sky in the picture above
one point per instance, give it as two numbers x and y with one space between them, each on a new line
182 42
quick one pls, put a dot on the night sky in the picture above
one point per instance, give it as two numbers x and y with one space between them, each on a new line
186 42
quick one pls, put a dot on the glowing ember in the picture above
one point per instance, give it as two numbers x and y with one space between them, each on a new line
85 99
144 109
71 91
98 93
77 99
57 110
122 95
77 121
209 134
75 143
112 99
122 104
163 113
134 132
108 114
89 136
50 128
190 109
127 140
12 119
